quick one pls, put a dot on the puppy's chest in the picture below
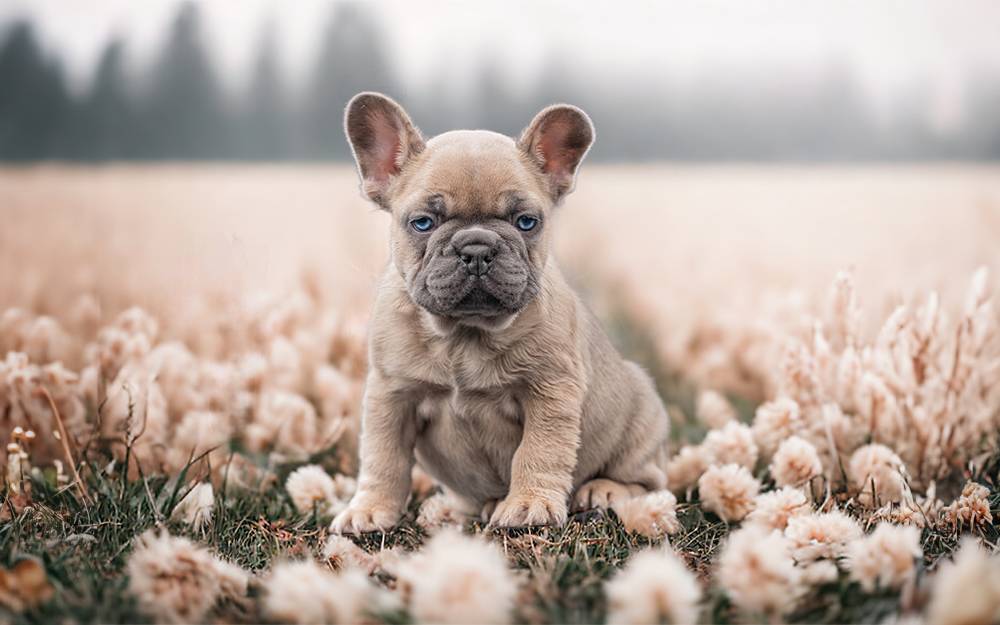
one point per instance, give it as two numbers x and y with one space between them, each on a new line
469 368
474 389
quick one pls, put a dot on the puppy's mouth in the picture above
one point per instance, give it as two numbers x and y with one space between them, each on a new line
478 301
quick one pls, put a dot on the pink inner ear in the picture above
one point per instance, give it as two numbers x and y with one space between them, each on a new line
557 155
386 148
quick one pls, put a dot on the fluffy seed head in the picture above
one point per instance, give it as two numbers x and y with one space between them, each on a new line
654 587
876 467
714 411
195 509
310 487
821 536
687 465
967 590
733 444
885 558
651 515
773 509
774 422
757 572
795 463
458 579
173 580
306 592
728 491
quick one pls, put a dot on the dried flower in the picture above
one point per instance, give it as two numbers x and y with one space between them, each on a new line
773 509
971 509
757 572
795 463
24 586
311 489
714 411
878 474
195 509
342 553
966 591
775 422
728 491
654 587
733 444
440 510
817 536
885 558
687 465
176 581
458 579
651 515
305 592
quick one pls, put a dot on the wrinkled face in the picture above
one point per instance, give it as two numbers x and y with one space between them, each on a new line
471 209
470 228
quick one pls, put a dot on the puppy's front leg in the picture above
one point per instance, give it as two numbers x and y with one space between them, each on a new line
388 434
542 468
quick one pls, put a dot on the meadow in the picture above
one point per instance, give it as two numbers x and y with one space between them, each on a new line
182 355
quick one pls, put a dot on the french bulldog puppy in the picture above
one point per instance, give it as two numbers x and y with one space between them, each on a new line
486 368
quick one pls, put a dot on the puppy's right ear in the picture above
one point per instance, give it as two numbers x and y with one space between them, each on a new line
382 138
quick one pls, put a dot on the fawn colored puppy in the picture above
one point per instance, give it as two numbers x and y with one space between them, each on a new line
486 368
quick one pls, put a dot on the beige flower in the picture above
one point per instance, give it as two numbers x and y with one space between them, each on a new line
310 487
652 515
175 581
654 587
714 411
821 536
795 463
733 444
773 509
728 491
458 579
885 558
878 474
774 422
757 572
967 590
305 592
687 465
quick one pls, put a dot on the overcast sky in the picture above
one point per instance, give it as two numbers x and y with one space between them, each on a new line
887 44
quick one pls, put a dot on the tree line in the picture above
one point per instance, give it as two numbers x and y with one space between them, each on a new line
180 111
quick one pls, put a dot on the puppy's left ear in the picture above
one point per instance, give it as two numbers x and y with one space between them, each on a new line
383 139
557 140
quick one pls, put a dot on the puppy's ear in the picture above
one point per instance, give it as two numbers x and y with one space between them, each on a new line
382 138
557 140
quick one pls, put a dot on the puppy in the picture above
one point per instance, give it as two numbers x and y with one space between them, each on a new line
485 366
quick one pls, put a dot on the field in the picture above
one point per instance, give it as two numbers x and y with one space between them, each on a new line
182 350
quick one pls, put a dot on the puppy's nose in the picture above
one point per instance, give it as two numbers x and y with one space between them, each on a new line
476 247
476 257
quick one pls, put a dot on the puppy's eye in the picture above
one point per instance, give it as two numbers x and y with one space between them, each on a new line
422 224
526 223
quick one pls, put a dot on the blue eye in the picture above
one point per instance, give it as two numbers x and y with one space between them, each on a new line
526 223
422 224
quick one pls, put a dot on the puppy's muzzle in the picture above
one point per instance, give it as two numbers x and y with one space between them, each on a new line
476 248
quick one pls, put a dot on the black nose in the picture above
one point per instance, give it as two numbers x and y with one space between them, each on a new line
476 258
476 247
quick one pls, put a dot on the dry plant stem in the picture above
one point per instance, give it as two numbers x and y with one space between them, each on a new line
64 439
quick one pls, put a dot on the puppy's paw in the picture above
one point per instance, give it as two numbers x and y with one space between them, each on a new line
364 515
529 510
603 493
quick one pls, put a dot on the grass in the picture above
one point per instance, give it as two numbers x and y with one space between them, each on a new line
84 546
84 549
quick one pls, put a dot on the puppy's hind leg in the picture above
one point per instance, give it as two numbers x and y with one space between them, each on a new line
603 493
634 471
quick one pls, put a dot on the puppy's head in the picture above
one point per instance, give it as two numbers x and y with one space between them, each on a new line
470 209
